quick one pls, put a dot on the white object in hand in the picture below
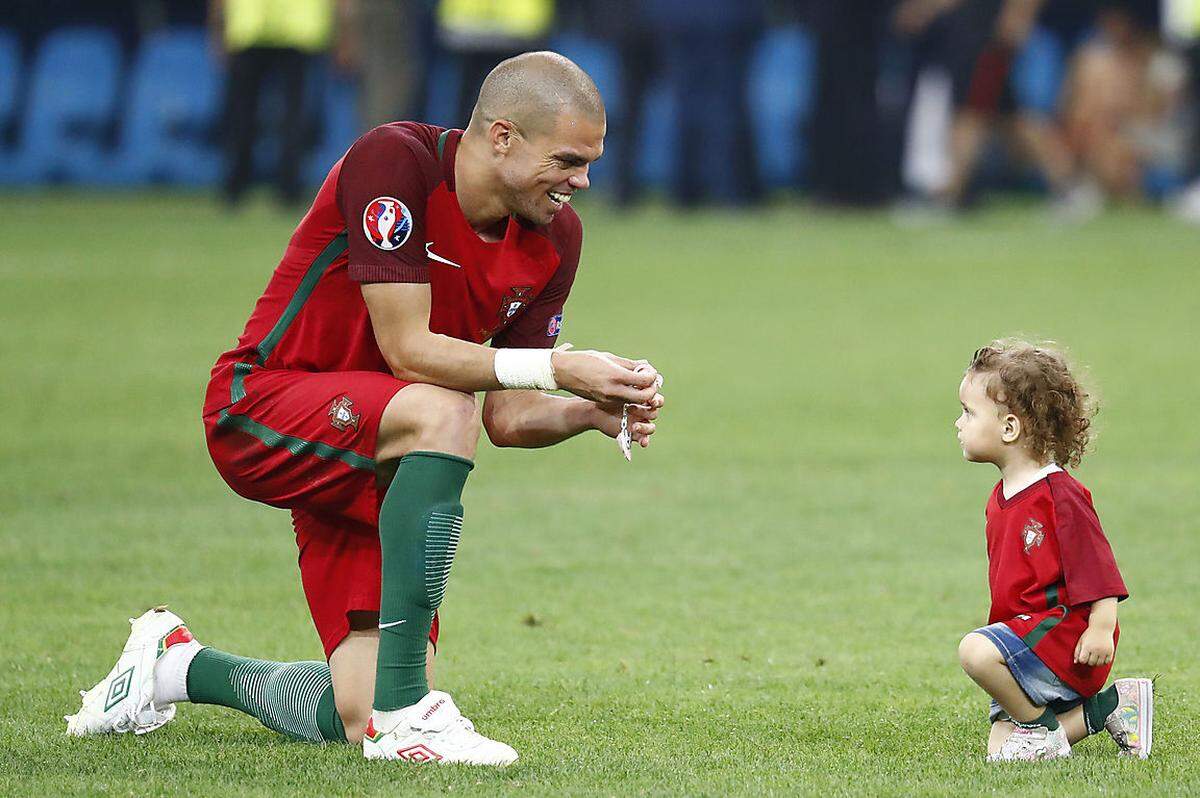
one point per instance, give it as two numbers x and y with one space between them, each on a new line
625 437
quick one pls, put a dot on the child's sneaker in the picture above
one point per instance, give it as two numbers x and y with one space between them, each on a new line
1131 724
432 730
1033 743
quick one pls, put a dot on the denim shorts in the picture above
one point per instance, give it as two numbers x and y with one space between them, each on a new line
1038 681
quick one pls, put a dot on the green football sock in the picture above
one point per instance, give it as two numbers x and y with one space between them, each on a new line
294 698
1097 708
419 524
1047 719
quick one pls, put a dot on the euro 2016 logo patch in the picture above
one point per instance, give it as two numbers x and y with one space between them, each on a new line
1032 535
387 223
554 327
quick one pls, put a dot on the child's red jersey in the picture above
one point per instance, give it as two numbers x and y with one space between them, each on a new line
1048 560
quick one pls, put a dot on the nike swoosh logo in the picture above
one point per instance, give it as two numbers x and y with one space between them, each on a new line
390 625
434 256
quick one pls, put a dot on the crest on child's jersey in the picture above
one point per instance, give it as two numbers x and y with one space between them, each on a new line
342 415
387 223
554 327
1032 535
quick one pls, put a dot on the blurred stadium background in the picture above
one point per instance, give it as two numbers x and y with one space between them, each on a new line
768 600
861 102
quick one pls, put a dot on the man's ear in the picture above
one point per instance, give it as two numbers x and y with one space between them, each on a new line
502 134
1011 429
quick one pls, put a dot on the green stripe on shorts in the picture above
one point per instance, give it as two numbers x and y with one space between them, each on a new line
297 446
237 388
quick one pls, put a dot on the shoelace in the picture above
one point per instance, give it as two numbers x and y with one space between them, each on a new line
460 721
465 725
132 718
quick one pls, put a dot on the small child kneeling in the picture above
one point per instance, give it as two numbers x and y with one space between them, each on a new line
1052 632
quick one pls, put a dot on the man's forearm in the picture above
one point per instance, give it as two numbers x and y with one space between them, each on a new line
531 419
400 320
400 315
448 362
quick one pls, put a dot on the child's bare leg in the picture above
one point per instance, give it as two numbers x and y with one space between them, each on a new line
984 663
1074 724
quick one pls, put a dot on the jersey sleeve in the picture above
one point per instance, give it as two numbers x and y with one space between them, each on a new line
1089 568
537 327
382 189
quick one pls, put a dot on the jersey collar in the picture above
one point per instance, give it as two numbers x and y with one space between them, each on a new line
1025 485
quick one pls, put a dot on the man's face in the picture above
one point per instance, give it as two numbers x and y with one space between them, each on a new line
981 427
542 172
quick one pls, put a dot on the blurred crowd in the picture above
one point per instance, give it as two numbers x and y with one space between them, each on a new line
1096 100
926 104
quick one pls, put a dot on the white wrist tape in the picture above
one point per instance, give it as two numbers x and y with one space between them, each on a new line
525 369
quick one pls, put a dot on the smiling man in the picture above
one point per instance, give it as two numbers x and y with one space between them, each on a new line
350 400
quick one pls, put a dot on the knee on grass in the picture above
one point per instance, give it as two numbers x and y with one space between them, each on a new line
976 654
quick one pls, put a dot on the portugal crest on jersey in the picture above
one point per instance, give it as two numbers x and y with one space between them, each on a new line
1032 535
342 415
387 223
516 298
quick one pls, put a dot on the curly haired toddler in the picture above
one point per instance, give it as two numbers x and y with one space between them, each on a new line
1052 633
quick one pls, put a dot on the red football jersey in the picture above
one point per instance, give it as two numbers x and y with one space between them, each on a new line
1048 560
387 212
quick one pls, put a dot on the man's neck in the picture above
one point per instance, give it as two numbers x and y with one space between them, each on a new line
1019 472
479 200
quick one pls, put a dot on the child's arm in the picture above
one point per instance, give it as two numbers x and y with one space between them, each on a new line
1095 645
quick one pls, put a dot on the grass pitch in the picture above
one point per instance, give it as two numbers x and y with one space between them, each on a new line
767 601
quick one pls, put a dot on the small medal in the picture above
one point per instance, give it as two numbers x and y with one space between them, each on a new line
625 437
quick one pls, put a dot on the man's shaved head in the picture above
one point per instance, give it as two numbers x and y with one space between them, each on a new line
537 127
531 90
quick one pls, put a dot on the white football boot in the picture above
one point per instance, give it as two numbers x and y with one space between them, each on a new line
1131 724
123 701
432 730
1033 743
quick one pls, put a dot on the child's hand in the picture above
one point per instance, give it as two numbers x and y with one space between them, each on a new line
1095 647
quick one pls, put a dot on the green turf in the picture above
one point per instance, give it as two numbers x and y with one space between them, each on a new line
767 601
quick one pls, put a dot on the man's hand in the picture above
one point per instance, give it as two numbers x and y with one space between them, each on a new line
641 419
605 378
1095 647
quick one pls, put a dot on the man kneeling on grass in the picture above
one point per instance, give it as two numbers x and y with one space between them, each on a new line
350 401
1052 632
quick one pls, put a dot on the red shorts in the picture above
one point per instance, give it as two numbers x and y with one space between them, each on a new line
305 441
